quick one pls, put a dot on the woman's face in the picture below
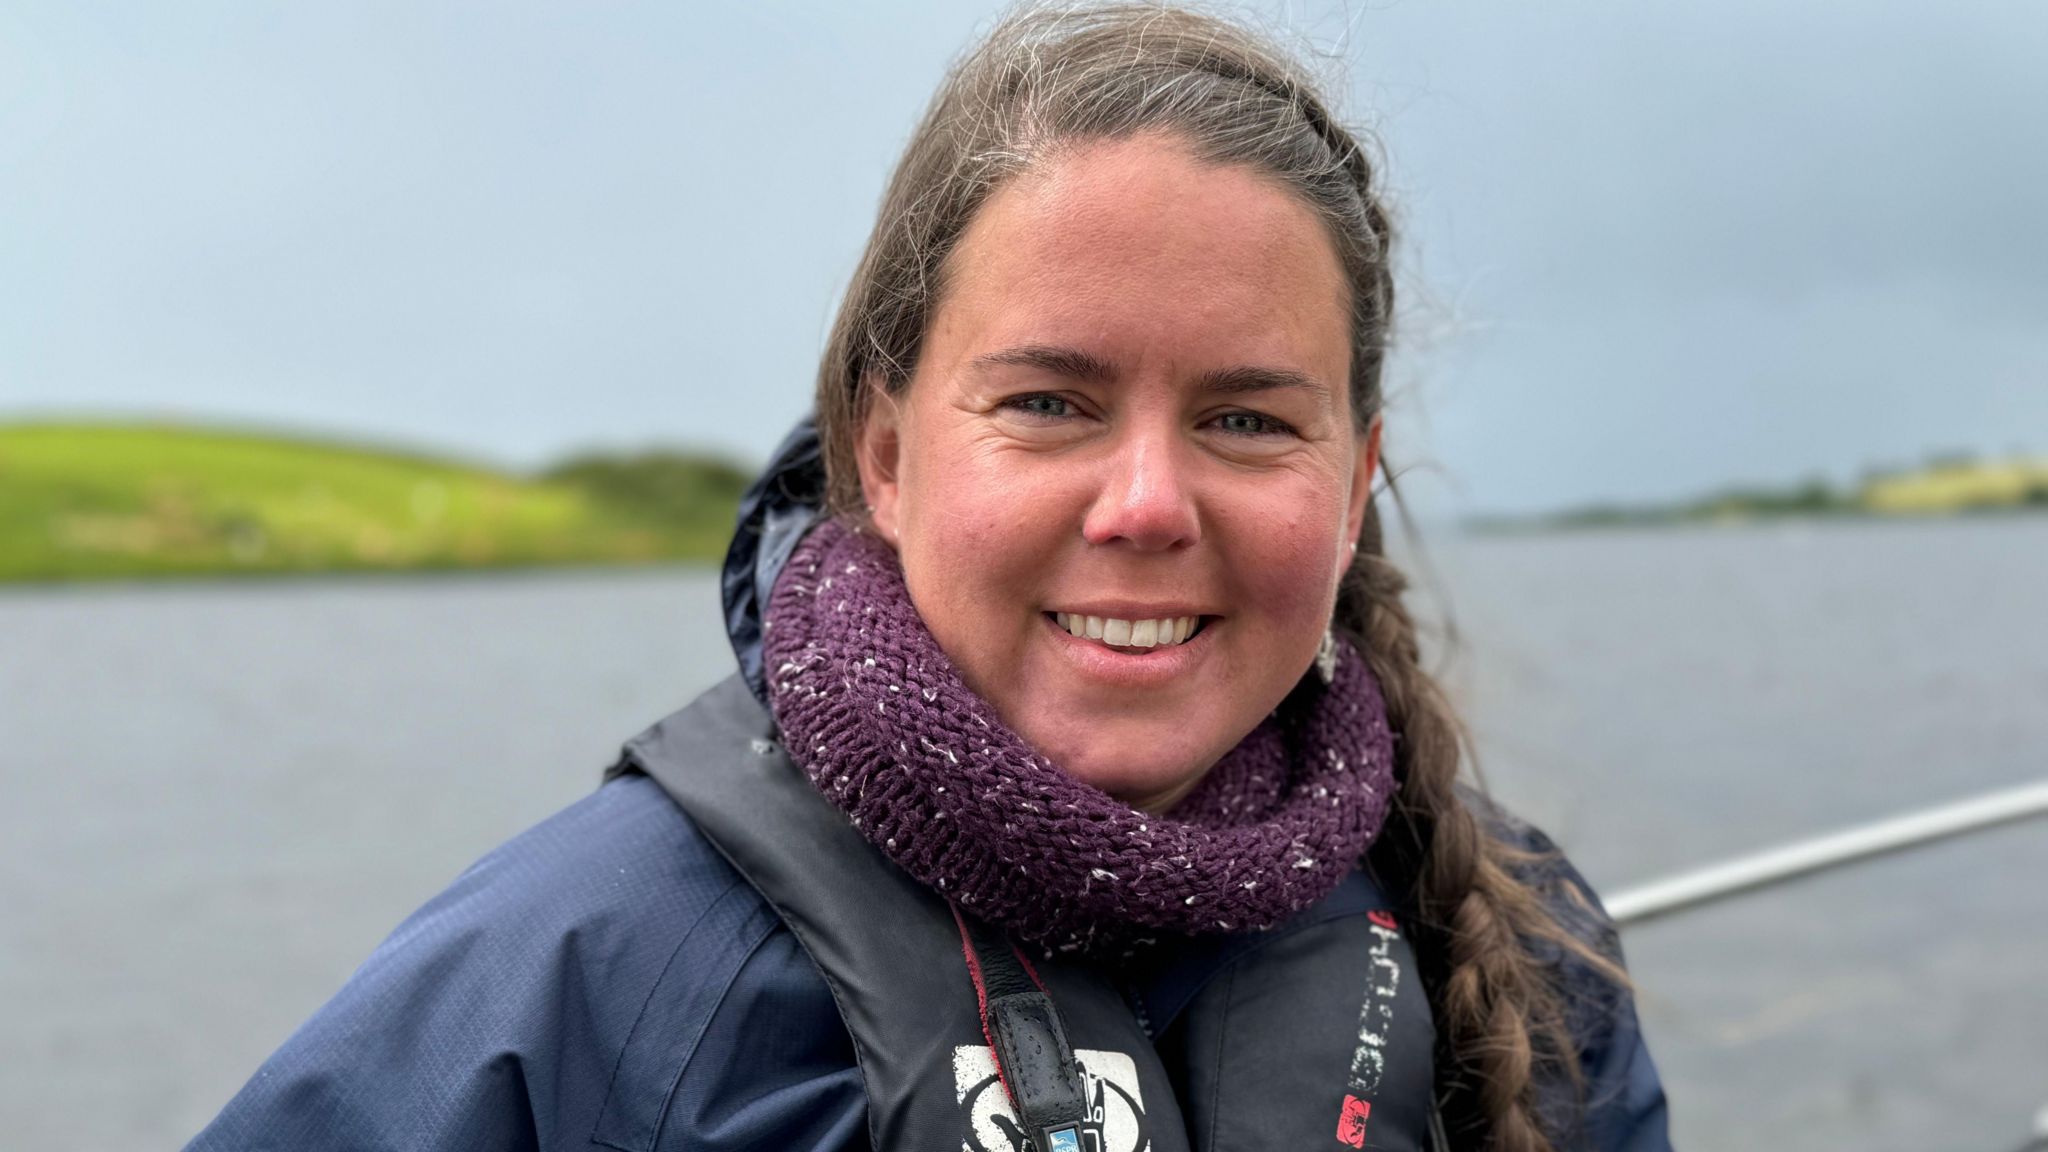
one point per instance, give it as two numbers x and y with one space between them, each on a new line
1130 409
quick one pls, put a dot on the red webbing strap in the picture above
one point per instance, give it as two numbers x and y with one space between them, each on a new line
981 1001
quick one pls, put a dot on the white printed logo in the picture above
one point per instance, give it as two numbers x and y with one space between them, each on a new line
1116 1110
1375 1029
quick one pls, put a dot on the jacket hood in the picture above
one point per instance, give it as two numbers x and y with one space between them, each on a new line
774 514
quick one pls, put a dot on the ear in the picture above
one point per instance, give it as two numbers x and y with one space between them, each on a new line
1361 490
879 451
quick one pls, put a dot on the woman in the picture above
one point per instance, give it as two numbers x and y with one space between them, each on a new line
1081 788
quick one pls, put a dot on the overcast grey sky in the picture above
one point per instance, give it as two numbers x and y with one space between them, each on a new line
1652 248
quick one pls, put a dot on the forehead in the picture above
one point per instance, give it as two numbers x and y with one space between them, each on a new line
1140 247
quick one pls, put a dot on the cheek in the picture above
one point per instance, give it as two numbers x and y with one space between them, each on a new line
1288 564
979 537
1301 575
976 505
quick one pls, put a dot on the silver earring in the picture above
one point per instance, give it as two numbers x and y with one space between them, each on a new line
1326 656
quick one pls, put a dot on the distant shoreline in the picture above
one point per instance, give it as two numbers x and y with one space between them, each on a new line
1948 488
1545 524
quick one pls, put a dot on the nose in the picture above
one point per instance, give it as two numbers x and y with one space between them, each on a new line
1146 500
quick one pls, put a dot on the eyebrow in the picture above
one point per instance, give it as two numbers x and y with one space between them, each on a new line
1069 362
1238 381
1078 365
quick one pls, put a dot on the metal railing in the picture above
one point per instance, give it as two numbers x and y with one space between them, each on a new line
1823 853
1767 869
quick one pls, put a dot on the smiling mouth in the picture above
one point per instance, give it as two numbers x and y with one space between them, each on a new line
1129 635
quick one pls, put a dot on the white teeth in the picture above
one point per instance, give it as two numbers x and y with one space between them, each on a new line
1129 633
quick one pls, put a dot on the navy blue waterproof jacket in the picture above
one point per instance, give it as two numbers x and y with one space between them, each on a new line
606 980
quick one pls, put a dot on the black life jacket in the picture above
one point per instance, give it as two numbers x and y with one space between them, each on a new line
1316 1034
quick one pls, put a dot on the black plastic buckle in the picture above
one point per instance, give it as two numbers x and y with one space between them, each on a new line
1063 1138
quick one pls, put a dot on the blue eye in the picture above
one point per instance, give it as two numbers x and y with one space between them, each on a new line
1042 404
1249 424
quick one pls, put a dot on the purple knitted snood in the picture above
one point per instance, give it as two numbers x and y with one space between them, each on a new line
880 720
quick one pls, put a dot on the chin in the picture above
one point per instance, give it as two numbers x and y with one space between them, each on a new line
1136 770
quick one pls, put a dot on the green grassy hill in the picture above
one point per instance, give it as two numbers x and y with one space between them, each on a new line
80 501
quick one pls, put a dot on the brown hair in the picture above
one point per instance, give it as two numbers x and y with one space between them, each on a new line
1045 79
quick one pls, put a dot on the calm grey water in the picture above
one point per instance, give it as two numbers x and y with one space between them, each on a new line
215 799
